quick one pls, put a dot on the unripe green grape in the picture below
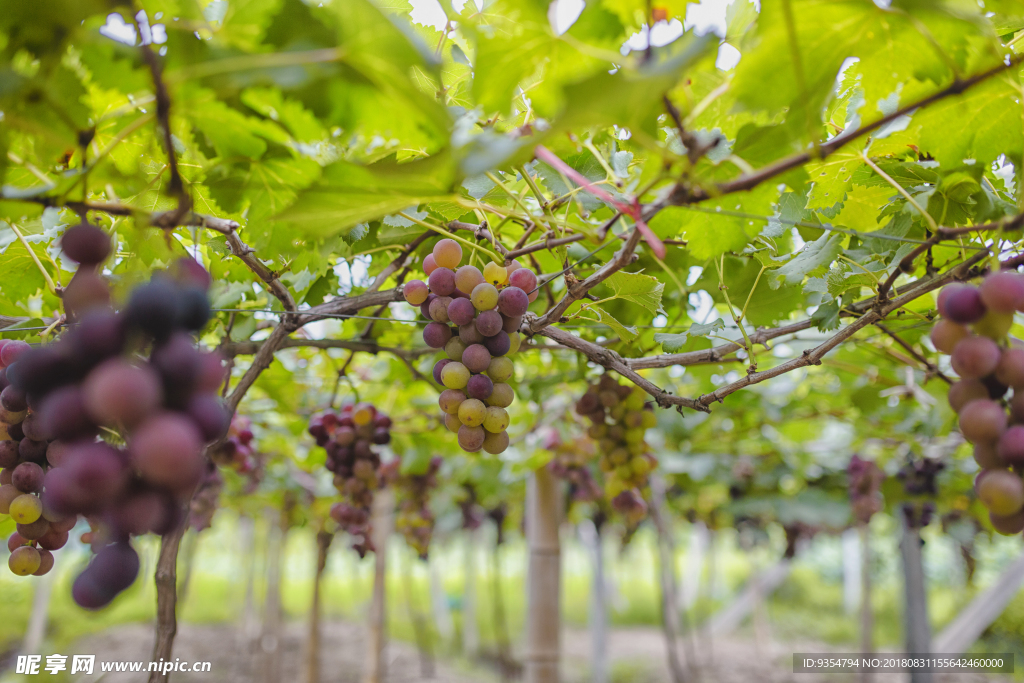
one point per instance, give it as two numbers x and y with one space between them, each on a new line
447 253
641 466
496 419
450 400
484 297
472 412
455 376
994 325
26 509
500 369
24 560
502 396
650 420
496 275
1001 491
515 340
454 348
467 277
452 422
495 443
619 456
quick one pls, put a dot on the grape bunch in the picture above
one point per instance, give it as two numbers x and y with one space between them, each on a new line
136 378
349 437
475 318
571 462
237 450
864 483
973 331
620 417
414 521
920 480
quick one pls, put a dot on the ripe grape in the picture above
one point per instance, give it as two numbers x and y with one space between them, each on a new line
32 428
57 453
476 358
55 538
471 439
166 451
24 560
1010 370
513 301
1009 525
438 309
118 393
450 400
98 335
455 348
35 530
16 540
499 344
966 390
947 334
472 412
193 309
1011 446
64 414
189 272
511 325
502 396
987 456
461 311
8 453
439 366
484 296
28 477
500 369
489 323
45 563
480 387
425 306
86 244
452 422
25 509
962 305
429 265
447 253
209 415
470 335
468 277
975 357
994 325
363 414
436 335
442 282
152 309
6 477
495 443
495 274
13 350
8 492
1001 491
455 376
415 292
524 279
1003 291
496 419
13 399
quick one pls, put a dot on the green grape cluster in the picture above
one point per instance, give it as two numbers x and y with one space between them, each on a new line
474 316
620 418
415 520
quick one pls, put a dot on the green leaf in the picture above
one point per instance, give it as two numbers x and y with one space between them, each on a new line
826 316
643 290
815 257
674 342
626 334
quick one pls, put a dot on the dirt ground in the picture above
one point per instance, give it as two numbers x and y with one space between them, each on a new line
636 655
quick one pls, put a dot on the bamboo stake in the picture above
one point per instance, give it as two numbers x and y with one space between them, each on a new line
543 600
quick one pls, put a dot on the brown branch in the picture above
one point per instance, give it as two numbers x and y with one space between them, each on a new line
931 367
248 348
541 246
481 233
166 579
246 255
175 186
717 353
349 305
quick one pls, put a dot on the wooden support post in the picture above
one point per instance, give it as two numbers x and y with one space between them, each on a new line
383 505
543 619
590 534
470 632
967 627
323 544
918 630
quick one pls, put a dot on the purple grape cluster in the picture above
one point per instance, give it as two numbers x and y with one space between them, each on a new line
350 437
475 317
414 520
973 330
864 483
571 461
135 378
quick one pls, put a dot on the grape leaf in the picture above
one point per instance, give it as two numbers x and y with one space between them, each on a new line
626 334
643 290
816 255
673 342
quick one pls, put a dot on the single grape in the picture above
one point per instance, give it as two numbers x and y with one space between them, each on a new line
415 292
98 336
1001 491
515 340
24 560
363 414
45 563
13 399
461 311
471 439
436 335
429 264
12 350
28 477
64 415
442 281
982 420
1010 370
987 456
946 335
32 428
8 492
470 335
439 366
193 309
975 357
86 244
35 530
118 393
468 277
209 415
165 449
480 387
1011 446
484 297
1010 525
6 477
496 420
455 376
489 323
476 358
189 272
495 274
513 302
500 369
455 348
1003 291
472 412
532 296
8 453
500 344
425 306
502 396
524 279
964 305
966 390
152 309
57 453
495 443
55 538
447 253
994 325
450 400
510 325
26 509
438 309
16 540
452 423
